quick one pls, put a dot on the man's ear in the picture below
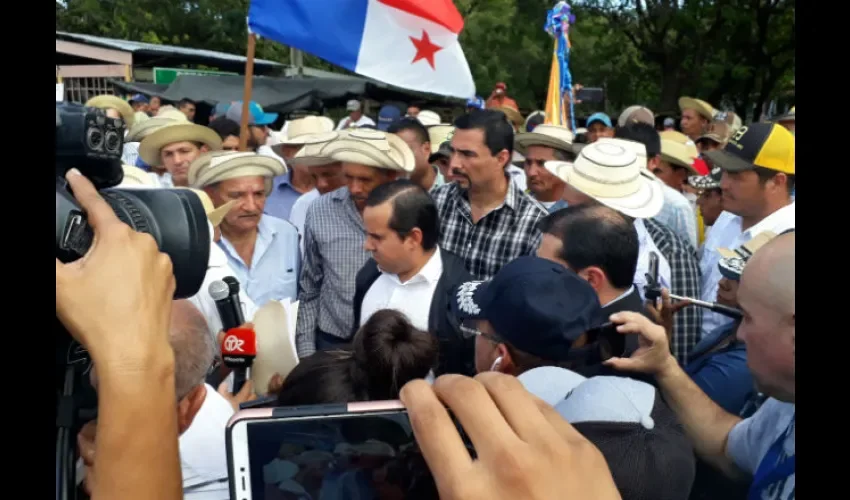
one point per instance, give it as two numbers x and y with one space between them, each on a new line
204 148
504 157
189 406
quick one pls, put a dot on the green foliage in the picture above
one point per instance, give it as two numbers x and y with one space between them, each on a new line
738 52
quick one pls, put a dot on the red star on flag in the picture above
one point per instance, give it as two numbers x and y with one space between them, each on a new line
425 49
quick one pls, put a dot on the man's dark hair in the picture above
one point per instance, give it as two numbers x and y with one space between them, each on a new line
498 133
412 124
412 207
766 174
595 235
224 127
643 133
185 101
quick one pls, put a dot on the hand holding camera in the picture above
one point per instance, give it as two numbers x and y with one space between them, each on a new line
114 327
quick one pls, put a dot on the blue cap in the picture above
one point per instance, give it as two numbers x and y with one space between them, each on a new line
139 98
258 116
387 115
221 108
538 306
475 102
599 117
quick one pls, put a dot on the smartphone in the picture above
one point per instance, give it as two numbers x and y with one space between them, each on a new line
652 290
355 450
591 95
611 343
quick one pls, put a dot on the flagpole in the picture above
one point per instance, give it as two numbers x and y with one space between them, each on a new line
246 93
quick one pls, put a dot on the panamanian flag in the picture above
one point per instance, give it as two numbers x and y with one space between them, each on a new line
407 43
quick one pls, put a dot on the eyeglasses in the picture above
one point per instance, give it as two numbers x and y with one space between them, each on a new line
469 332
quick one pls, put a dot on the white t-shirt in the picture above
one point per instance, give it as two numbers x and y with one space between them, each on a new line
751 439
346 122
203 454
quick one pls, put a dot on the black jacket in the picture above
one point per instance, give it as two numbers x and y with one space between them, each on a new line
457 355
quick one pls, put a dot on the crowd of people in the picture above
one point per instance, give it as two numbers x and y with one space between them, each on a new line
422 250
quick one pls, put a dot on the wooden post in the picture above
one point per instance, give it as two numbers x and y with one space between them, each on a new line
246 92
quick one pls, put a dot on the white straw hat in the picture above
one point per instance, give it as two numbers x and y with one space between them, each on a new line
214 167
610 172
552 136
299 129
174 132
372 148
311 154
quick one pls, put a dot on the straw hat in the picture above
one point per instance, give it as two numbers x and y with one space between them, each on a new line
512 113
215 215
140 130
311 154
108 101
675 153
438 134
136 177
636 114
177 131
211 168
610 172
552 136
372 148
329 123
428 118
675 135
167 107
704 109
275 352
298 130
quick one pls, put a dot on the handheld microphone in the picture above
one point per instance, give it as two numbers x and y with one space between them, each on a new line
226 297
238 350
225 293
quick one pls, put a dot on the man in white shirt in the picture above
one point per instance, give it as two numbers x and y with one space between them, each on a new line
202 413
758 177
355 118
408 272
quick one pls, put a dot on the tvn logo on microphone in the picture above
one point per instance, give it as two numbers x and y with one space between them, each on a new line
239 347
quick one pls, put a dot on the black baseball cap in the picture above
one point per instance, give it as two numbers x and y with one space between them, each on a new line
444 151
538 306
765 145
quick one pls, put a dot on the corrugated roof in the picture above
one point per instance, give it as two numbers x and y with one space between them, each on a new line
152 48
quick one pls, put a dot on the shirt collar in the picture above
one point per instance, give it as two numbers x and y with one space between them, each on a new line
621 297
282 180
785 213
430 272
511 198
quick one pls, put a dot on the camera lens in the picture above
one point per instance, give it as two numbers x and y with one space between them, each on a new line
113 142
94 138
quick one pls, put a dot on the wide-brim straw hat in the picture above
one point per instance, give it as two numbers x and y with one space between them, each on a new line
372 148
299 130
704 109
428 118
610 172
136 177
681 138
217 166
310 155
145 128
215 215
675 153
438 134
513 114
551 136
177 131
275 351
636 114
107 101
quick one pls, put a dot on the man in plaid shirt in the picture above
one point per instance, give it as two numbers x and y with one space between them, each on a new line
484 217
